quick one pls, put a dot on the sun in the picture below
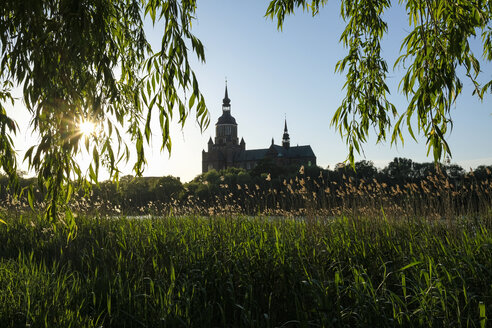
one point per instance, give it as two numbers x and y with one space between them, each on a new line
86 128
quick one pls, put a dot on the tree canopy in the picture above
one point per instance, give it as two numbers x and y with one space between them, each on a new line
435 49
87 60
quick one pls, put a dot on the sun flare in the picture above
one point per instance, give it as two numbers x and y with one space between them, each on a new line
86 128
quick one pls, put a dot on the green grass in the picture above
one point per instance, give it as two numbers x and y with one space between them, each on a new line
245 272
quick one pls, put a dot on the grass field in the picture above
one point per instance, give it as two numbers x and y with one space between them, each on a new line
245 272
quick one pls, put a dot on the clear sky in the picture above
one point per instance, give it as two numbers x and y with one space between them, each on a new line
272 74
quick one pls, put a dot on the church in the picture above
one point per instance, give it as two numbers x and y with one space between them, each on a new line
227 151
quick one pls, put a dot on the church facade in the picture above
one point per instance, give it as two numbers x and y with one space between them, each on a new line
227 151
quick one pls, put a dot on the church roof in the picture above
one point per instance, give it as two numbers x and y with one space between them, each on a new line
292 152
276 151
251 155
226 118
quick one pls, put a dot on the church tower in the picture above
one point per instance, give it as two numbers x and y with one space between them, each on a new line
227 151
226 126
285 137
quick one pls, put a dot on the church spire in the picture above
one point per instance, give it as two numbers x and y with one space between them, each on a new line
285 137
226 126
226 102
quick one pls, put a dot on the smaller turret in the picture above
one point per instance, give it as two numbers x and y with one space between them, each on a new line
285 137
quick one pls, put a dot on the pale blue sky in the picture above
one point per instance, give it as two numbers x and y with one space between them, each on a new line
271 74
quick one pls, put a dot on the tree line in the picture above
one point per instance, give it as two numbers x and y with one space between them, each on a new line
403 187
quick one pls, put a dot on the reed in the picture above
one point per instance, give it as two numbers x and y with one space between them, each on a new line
438 196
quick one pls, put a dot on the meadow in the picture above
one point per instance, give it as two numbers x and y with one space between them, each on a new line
239 271
311 250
